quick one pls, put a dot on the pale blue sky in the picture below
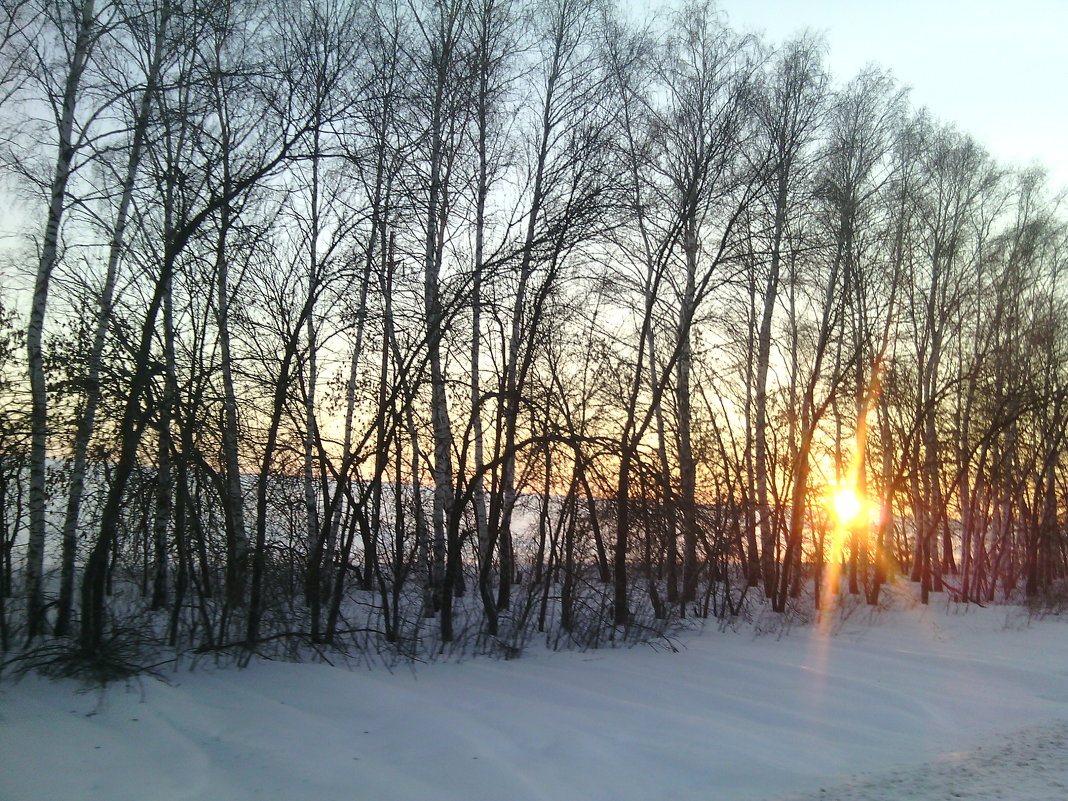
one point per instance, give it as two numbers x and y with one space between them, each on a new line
998 69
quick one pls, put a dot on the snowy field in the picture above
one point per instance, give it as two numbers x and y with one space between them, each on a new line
945 702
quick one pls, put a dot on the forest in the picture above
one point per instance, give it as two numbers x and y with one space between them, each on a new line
413 328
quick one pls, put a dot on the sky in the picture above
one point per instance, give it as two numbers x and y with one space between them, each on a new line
996 68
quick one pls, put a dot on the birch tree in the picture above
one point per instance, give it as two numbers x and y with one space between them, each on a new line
78 30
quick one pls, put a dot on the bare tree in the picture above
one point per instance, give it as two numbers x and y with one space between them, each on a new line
79 29
790 112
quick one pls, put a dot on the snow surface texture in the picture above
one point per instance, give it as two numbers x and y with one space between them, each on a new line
1030 766
944 702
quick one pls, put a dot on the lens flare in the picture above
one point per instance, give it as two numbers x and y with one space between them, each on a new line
846 504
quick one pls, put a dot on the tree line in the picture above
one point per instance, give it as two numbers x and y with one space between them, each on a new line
398 324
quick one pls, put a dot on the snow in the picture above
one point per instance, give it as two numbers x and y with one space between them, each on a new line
922 703
1026 766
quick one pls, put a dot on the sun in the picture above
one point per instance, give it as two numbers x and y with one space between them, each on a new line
846 504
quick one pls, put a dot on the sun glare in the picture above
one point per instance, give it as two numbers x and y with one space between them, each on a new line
846 504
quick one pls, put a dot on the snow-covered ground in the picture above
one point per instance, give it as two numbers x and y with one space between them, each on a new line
943 702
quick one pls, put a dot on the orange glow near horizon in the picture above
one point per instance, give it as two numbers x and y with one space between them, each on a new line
852 511
847 505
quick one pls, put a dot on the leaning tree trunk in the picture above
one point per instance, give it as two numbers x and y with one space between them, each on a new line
767 529
87 421
83 44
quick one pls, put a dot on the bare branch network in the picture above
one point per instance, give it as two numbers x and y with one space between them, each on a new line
400 329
